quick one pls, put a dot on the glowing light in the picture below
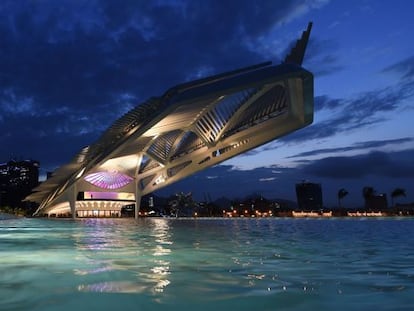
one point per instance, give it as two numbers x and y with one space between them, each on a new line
160 179
94 195
80 173
121 163
108 180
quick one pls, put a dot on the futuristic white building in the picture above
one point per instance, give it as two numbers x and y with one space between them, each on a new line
191 127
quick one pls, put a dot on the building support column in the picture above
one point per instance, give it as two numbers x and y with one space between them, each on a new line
72 201
137 199
137 205
136 185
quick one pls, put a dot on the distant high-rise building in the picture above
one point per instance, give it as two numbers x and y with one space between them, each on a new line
309 196
376 202
17 179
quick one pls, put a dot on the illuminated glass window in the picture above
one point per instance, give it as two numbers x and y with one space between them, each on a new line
108 180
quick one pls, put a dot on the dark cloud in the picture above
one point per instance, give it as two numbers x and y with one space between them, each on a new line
404 68
228 181
348 115
381 170
325 103
45 137
393 165
321 57
362 111
68 69
357 146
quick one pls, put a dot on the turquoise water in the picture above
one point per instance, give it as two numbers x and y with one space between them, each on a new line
207 264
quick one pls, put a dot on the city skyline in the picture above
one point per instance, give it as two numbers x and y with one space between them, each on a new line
69 70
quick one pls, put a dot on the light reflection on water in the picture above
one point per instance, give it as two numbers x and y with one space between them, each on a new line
107 248
267 264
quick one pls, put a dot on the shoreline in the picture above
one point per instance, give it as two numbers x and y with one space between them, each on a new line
220 218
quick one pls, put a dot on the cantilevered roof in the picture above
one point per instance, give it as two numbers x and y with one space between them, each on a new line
190 127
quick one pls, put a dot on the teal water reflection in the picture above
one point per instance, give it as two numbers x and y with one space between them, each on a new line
182 264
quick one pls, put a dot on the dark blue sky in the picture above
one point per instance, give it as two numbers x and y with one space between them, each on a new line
68 69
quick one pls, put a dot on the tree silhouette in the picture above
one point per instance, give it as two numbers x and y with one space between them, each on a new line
341 194
397 192
182 202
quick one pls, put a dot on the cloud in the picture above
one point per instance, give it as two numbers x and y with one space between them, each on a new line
231 182
73 67
45 138
382 170
362 111
392 165
404 68
321 57
267 179
326 103
356 146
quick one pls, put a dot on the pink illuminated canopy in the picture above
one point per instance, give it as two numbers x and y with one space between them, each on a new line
108 180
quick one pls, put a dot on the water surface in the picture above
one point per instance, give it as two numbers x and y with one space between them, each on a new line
207 264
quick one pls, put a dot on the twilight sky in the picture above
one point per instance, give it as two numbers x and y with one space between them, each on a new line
70 68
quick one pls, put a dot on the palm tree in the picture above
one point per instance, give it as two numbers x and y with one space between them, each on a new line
397 192
341 194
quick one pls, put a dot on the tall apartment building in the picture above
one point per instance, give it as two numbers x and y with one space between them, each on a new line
17 179
309 196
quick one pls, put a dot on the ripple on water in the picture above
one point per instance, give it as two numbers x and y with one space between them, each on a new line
271 264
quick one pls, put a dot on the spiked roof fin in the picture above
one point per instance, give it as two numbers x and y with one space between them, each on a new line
298 51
